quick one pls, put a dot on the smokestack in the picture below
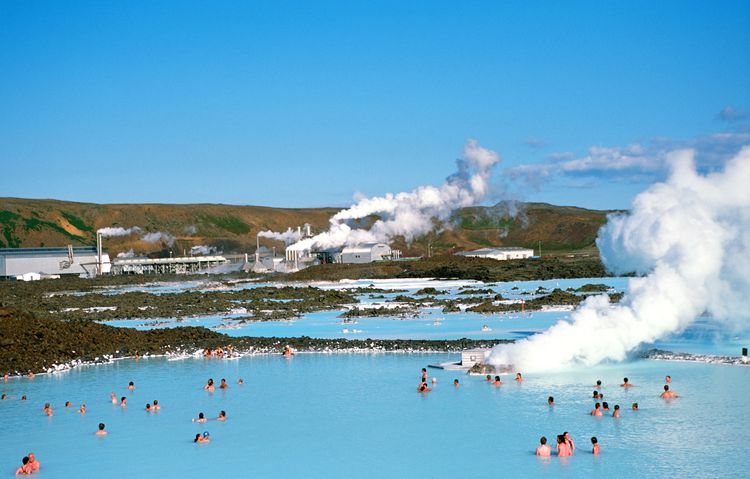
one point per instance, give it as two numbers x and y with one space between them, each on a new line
99 252
744 357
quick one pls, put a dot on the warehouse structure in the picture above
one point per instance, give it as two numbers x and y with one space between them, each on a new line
47 262
367 253
183 265
501 254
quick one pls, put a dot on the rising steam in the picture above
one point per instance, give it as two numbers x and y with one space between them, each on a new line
408 214
690 236
147 237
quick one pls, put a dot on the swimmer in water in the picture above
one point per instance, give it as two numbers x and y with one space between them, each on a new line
625 383
223 384
455 383
82 409
156 406
240 381
101 431
209 386
424 373
667 394
148 407
34 465
47 409
123 401
30 375
67 403
543 450
668 379
497 381
23 398
519 378
288 353
4 397
595 449
24 469
605 406
423 387
595 395
616 412
597 411
562 448
5 377
569 442
550 401
202 438
131 386
201 418
222 416
634 407
113 397
598 384
489 378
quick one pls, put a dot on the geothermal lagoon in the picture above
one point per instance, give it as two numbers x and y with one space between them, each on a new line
358 414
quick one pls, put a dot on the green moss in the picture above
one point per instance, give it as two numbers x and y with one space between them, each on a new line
36 224
76 221
229 223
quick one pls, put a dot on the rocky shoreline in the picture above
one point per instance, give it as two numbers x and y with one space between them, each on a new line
32 344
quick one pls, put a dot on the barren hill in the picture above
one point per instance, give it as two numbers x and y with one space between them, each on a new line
233 229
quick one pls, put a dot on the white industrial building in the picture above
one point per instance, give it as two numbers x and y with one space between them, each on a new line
367 253
501 254
46 262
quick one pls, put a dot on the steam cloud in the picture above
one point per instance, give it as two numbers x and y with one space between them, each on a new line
147 237
288 237
690 235
118 231
409 214
203 249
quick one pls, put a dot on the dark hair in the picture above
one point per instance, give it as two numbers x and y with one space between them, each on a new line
200 415
123 399
101 426
223 380
424 370
598 382
148 405
25 460
593 440
551 399
666 388
131 383
596 393
497 378
597 405
560 438
635 405
197 436
222 413
543 440
624 380
605 405
617 406
670 377
156 402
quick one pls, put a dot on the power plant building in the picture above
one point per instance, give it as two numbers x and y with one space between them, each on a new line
368 252
501 254
78 260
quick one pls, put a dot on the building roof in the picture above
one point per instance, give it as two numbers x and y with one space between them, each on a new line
25 252
362 248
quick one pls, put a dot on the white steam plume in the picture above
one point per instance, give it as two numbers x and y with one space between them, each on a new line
126 254
288 237
157 237
119 231
410 214
690 235
203 249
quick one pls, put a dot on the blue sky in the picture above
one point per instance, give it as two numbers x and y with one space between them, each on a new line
307 103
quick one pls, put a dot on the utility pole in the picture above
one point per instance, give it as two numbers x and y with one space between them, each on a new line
540 249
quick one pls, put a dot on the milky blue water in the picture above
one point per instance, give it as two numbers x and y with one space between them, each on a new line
355 415
703 337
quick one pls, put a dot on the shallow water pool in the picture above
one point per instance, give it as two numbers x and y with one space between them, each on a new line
345 415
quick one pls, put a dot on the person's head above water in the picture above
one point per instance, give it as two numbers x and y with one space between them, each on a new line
596 394
594 440
605 405
543 440
550 399
598 382
101 426
625 380
597 405
617 407
666 388
635 406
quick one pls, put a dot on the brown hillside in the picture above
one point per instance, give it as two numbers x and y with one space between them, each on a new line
232 228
